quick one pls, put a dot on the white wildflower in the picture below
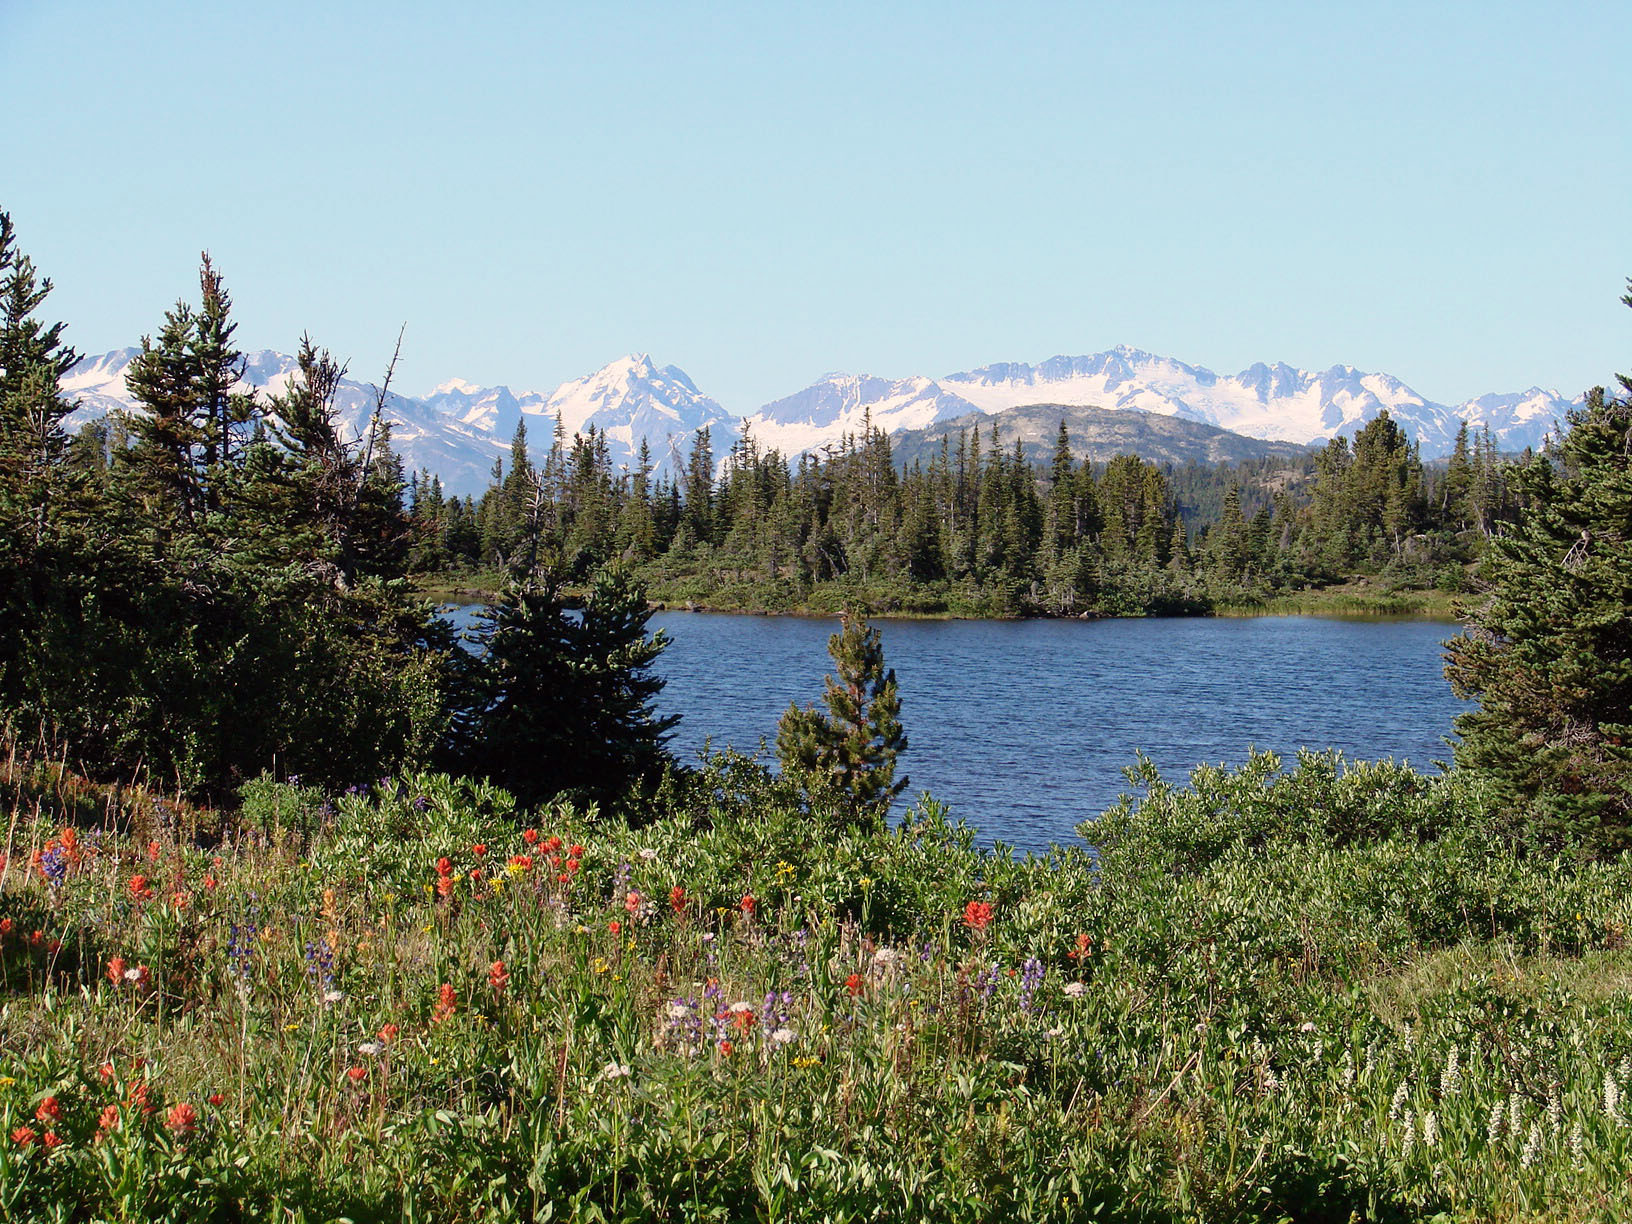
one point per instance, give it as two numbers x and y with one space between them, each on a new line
1410 1136
615 1070
1498 1115
1555 1111
1514 1117
678 1011
1450 1079
369 1049
133 975
887 958
647 853
1402 1094
331 997
739 1007
782 1036
1626 1069
1578 1143
1612 1097
1075 990
1532 1147
1308 1026
1430 1129
1347 1078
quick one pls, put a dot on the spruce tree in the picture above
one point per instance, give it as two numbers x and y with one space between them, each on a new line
1548 649
853 747
563 702
33 359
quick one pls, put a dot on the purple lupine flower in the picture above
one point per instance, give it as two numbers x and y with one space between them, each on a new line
1031 977
54 865
320 963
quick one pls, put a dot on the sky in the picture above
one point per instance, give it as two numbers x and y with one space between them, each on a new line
761 193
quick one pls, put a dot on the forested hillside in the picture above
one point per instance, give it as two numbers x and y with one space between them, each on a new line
975 527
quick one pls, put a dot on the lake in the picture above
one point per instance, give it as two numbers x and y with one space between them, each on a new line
1024 727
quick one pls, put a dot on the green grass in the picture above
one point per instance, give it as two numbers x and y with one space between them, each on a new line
1351 600
1247 1006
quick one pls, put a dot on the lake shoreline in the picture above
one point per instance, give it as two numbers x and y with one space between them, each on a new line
1347 600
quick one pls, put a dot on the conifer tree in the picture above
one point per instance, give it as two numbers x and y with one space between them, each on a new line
563 702
161 465
853 747
33 359
1548 649
223 413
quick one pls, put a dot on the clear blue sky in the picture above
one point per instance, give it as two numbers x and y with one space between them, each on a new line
763 192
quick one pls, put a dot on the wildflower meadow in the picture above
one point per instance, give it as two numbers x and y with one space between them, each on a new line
1311 991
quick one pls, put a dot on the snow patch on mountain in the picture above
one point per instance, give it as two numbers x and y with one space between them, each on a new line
837 405
458 429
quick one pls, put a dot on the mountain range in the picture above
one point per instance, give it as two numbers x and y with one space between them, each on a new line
458 429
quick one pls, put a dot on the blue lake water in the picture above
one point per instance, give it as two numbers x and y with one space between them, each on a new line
1024 727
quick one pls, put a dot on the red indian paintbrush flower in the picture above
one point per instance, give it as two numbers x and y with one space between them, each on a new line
977 915
181 1119
447 999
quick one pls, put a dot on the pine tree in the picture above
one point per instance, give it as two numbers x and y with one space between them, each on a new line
186 441
854 746
33 359
1548 651
223 414
699 496
563 702
163 476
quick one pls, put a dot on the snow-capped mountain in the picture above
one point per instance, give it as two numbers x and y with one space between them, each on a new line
631 399
839 404
458 429
1274 403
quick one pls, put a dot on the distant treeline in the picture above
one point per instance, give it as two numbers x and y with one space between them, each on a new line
978 529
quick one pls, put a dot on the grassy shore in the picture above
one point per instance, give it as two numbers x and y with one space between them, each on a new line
944 602
1351 599
1316 994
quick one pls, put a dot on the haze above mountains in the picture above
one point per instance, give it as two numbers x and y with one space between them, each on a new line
458 429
